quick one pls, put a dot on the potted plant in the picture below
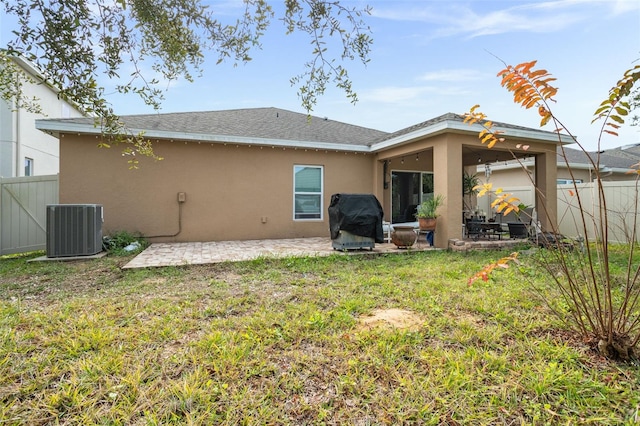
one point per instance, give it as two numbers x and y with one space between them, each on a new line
427 212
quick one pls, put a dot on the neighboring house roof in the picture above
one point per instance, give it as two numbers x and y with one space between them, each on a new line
617 158
279 127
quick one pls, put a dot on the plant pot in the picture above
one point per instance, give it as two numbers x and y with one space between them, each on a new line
403 236
427 224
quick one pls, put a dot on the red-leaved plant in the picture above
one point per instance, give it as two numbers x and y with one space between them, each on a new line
597 300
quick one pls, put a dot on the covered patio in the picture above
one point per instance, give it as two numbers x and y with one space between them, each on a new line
431 158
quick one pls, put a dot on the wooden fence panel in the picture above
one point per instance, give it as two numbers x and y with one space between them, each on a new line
23 204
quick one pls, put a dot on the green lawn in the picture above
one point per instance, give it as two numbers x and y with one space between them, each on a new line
279 342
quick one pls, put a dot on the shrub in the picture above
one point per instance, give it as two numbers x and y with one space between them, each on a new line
594 297
122 243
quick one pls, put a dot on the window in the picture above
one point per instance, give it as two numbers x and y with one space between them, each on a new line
566 181
307 192
28 166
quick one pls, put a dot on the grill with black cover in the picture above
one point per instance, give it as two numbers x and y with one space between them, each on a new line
355 221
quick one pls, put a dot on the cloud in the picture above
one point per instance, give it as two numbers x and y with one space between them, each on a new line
625 6
402 95
475 19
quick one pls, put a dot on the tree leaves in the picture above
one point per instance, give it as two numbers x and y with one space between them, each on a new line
326 21
588 302
11 82
614 108
486 271
487 134
530 88
75 42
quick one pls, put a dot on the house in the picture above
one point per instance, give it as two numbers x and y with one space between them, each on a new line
24 151
269 173
573 165
614 164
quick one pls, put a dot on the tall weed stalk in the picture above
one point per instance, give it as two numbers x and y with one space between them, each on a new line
596 299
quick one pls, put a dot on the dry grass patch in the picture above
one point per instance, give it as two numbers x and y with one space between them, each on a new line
392 318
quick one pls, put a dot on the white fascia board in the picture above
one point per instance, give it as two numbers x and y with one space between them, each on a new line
53 127
536 135
511 164
622 170
474 128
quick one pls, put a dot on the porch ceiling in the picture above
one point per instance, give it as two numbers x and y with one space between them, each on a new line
474 155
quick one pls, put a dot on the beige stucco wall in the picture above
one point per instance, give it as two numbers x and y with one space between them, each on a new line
239 192
232 192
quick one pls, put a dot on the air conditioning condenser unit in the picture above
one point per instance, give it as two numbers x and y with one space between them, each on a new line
74 229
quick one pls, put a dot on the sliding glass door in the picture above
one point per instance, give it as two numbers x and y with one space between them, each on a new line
408 189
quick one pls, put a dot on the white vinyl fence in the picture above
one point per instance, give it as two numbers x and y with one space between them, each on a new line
621 205
23 202
621 200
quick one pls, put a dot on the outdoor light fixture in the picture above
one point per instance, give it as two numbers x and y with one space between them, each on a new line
417 157
487 171
402 161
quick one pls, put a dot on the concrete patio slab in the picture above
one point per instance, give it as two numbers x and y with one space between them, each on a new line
175 254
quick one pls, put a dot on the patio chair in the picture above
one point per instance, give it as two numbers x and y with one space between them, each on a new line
518 230
474 230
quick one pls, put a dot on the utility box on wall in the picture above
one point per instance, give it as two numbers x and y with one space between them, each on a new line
74 229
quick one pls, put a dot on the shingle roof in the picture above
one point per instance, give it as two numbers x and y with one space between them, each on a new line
264 123
457 118
275 126
621 157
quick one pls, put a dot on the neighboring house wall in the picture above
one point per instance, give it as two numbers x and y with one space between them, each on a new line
232 192
583 175
19 138
512 178
7 141
512 174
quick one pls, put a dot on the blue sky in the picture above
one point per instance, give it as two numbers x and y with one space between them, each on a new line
431 57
